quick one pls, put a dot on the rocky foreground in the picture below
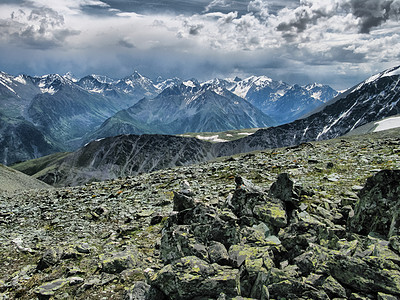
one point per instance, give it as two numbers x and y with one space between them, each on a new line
314 221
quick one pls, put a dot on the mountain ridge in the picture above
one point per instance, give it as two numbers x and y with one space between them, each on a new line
374 100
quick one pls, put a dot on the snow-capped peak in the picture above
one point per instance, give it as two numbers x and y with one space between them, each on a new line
103 79
312 86
70 76
189 83
51 83
389 72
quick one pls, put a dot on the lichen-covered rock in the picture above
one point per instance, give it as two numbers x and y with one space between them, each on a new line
188 232
272 212
333 288
369 274
378 209
50 288
182 201
218 253
143 291
245 197
50 257
119 261
191 277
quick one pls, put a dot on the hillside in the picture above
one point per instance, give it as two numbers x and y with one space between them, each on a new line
13 181
175 233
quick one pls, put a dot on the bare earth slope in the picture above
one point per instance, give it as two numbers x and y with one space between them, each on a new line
12 180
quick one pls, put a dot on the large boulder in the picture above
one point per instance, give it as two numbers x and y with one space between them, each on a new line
117 262
191 277
368 274
378 209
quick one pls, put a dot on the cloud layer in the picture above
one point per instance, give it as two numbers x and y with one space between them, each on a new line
336 41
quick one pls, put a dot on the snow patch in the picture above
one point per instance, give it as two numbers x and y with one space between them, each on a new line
317 95
20 79
213 138
49 90
189 83
388 123
5 81
392 72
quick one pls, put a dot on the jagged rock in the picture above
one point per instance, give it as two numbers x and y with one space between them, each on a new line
378 209
218 253
182 201
272 212
50 288
119 261
383 296
175 243
142 291
245 197
334 288
285 189
191 277
369 274
394 243
50 257
293 288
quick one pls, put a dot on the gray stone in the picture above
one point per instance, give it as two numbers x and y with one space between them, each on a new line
50 288
138 291
369 274
182 201
378 209
119 261
50 257
333 288
191 277
218 253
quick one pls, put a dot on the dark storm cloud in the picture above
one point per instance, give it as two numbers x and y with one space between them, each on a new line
302 18
373 13
194 29
126 43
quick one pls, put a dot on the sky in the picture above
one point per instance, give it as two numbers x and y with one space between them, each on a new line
335 42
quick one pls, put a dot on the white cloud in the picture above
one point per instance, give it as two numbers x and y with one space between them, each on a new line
317 33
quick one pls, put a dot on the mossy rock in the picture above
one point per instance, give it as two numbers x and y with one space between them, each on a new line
191 277
117 262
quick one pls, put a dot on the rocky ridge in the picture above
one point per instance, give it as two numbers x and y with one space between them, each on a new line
286 223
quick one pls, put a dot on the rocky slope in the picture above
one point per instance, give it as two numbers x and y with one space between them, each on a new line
288 223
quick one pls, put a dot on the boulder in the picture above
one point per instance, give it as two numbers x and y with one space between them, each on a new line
143 291
117 262
245 197
368 274
49 258
378 209
191 277
50 288
218 253
182 201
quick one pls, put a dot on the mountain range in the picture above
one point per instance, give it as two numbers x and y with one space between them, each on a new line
40 115
372 100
